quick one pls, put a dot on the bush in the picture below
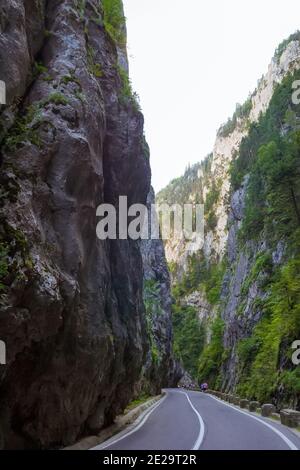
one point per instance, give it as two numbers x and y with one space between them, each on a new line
272 338
114 20
282 47
267 129
189 337
212 356
242 112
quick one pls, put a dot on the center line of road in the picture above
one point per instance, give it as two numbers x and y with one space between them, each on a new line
200 437
288 442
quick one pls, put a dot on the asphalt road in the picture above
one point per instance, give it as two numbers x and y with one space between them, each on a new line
186 420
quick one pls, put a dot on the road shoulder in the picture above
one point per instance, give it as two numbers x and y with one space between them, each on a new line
122 425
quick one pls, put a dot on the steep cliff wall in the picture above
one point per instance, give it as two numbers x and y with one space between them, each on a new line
161 369
240 283
72 312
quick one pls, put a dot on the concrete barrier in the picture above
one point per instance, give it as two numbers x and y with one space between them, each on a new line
236 400
244 403
290 418
267 410
253 406
231 399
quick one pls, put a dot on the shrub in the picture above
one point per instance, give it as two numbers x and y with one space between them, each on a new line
114 20
282 47
189 337
242 112
272 337
212 356
93 67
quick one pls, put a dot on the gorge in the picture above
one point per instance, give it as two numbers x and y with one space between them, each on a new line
238 299
79 343
91 323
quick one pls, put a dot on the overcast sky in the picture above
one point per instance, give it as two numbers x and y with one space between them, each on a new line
191 61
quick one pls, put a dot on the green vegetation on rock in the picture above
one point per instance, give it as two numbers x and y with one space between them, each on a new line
127 94
242 112
114 21
212 356
189 331
189 337
152 302
283 45
271 340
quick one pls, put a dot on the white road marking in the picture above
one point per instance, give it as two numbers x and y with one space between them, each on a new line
100 447
289 443
200 437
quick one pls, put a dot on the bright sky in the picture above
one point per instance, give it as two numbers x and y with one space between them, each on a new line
191 61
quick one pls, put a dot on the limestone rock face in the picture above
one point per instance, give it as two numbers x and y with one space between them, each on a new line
242 294
72 312
217 173
162 370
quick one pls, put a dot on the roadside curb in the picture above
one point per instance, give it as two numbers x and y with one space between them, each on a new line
122 423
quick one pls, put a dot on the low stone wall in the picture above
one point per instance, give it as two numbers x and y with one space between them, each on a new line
290 418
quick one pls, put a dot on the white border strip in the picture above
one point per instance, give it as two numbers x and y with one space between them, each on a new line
139 425
200 437
289 443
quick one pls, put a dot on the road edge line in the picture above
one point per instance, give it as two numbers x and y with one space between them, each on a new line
137 425
200 437
288 442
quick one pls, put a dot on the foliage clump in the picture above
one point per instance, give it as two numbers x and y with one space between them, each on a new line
152 302
242 112
212 357
114 21
282 47
271 340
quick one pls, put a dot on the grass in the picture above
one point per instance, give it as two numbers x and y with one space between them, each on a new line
138 401
25 128
70 79
114 21
93 67
127 95
56 98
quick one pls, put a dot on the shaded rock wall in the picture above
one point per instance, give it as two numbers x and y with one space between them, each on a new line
72 312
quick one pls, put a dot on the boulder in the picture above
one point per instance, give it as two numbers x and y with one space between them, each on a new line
244 403
290 418
236 401
253 405
267 409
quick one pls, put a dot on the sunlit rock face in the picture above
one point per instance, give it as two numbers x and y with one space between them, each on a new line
72 311
224 151
238 307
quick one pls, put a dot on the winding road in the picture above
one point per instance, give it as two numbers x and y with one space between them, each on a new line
185 420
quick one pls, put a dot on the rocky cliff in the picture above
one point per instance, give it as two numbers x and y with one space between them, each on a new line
161 369
241 282
72 308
